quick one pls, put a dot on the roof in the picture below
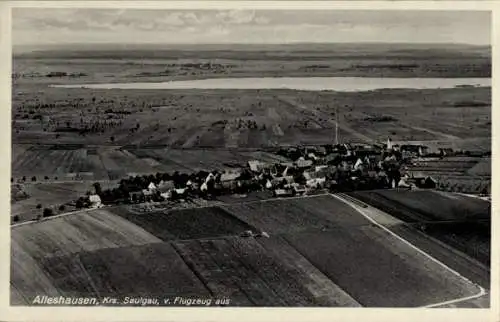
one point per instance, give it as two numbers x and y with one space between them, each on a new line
314 175
255 165
331 156
304 163
417 174
94 198
166 186
299 187
282 192
288 179
229 176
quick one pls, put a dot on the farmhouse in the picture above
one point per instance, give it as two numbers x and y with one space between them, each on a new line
316 182
136 196
165 188
302 163
152 186
95 201
230 175
423 181
148 194
256 165
278 180
333 158
180 192
299 189
283 193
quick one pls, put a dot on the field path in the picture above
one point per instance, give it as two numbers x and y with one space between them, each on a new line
436 133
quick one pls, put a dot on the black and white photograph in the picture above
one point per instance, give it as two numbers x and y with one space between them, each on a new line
250 157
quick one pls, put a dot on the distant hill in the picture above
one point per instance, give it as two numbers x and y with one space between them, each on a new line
260 51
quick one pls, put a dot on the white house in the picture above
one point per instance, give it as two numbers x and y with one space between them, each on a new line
95 201
255 165
358 165
316 182
283 193
302 163
180 192
152 186
299 189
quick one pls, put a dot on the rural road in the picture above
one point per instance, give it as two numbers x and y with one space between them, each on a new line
53 217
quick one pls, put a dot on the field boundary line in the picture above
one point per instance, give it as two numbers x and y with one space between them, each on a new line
277 199
191 268
481 292
53 217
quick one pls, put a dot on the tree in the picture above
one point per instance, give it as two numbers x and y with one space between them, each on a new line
47 212
79 203
33 178
24 178
11 179
39 206
15 218
112 139
62 207
98 189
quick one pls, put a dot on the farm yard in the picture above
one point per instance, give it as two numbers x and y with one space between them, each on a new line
201 252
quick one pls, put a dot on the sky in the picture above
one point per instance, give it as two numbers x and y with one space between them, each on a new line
36 26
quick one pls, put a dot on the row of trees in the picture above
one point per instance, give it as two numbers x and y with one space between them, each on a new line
33 179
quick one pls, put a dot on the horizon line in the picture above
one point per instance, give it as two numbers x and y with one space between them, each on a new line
253 44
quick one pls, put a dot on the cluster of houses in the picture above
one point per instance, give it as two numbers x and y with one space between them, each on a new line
337 168
342 167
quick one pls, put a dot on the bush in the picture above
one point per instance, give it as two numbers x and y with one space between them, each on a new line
47 212
39 206
79 203
15 218
62 207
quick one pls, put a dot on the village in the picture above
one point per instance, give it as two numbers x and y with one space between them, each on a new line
311 170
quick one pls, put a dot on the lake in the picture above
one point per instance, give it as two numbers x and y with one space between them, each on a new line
341 84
